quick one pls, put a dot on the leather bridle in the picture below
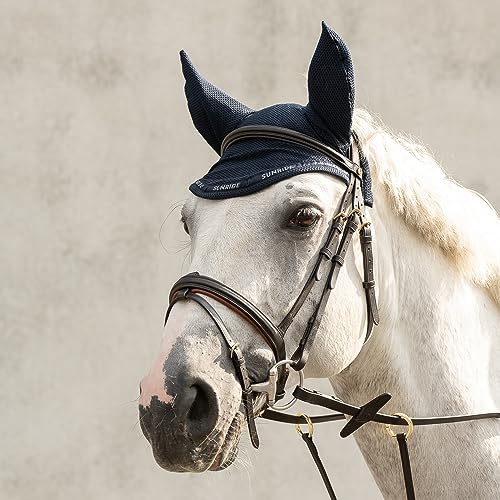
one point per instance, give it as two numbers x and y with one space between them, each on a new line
349 218
330 259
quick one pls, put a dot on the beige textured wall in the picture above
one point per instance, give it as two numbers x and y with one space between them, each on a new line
96 144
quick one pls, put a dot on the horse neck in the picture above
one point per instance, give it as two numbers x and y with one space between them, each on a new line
437 329
435 351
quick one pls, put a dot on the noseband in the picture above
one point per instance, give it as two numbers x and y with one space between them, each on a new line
349 218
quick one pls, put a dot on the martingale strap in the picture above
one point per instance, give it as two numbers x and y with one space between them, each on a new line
369 412
318 399
405 465
308 439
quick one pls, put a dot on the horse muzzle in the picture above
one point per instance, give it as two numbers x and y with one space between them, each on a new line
185 434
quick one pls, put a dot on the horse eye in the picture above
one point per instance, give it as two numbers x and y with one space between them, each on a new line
186 229
304 218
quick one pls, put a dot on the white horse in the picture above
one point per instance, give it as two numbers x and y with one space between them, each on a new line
436 349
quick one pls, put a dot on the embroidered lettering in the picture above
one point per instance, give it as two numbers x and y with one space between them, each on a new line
223 187
269 174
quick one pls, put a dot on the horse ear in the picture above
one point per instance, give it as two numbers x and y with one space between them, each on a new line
214 113
330 83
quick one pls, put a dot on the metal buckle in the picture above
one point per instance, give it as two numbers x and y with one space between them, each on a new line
269 386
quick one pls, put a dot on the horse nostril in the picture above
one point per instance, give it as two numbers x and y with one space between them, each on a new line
202 412
200 407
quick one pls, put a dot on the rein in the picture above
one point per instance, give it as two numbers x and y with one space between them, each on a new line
349 218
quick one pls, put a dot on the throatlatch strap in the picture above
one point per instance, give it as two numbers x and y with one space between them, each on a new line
405 463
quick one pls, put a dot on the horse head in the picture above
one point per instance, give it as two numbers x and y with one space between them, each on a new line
256 221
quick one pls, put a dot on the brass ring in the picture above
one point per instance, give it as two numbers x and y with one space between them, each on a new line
309 425
233 348
407 419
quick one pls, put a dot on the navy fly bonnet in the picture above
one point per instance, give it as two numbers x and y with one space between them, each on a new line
253 164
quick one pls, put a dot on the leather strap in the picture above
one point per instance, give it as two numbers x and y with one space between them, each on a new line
224 294
287 418
369 279
301 354
319 464
406 466
368 412
336 404
365 414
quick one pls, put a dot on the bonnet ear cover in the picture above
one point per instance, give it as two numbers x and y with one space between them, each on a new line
330 82
214 113
249 166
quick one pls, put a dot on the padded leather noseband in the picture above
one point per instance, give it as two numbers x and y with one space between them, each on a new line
204 285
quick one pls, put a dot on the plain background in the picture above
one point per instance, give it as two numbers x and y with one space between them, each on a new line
97 145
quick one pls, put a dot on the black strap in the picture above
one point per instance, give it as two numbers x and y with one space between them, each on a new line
366 239
365 414
406 466
368 412
336 404
319 464
287 418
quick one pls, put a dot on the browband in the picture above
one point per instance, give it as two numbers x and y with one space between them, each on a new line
287 135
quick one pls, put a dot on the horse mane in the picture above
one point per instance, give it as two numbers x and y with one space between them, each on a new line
452 218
